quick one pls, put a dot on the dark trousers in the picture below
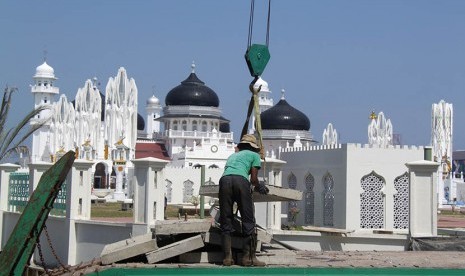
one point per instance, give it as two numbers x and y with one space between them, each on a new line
235 188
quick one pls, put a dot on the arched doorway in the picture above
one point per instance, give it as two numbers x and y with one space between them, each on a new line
100 177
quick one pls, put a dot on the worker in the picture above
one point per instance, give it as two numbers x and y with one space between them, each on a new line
236 187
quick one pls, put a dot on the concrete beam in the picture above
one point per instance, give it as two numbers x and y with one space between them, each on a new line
129 251
121 244
170 227
275 194
175 249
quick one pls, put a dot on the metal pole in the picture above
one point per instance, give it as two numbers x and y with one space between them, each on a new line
202 198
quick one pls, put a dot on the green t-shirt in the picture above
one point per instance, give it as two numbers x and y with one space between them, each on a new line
240 163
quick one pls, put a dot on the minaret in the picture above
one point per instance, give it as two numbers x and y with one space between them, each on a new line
153 111
44 93
264 99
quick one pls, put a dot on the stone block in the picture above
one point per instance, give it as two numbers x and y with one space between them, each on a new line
175 249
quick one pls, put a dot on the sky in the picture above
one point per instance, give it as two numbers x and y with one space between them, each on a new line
337 60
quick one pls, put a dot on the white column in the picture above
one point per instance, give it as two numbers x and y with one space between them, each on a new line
78 190
119 171
423 199
5 171
36 170
149 190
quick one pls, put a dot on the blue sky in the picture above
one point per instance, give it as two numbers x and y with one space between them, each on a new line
337 60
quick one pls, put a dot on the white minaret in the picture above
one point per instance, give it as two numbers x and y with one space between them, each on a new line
153 110
44 93
264 99
441 140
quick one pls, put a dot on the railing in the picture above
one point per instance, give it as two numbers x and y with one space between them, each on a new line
18 195
18 192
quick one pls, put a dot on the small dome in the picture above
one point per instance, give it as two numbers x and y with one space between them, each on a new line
192 91
44 71
263 83
153 100
140 122
284 116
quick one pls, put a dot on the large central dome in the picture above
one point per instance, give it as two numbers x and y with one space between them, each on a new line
284 116
192 91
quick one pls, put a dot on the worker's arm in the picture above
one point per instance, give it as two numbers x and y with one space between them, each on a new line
254 176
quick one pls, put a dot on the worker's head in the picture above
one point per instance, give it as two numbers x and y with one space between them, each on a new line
248 142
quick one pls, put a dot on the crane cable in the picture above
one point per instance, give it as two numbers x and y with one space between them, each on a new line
254 100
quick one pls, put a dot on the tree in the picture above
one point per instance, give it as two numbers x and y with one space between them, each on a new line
11 140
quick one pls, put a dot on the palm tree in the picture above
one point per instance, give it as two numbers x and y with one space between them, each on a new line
11 139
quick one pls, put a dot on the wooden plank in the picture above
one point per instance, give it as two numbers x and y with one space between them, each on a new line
175 249
327 229
275 193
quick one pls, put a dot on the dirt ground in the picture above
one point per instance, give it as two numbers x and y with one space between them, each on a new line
378 259
406 259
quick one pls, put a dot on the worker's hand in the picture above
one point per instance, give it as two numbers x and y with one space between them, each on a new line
261 188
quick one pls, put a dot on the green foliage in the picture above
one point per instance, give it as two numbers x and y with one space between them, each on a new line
11 140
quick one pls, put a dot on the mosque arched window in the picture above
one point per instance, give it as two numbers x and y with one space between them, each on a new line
194 125
204 126
175 125
184 125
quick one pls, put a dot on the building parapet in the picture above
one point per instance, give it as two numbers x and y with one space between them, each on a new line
186 134
351 145
192 110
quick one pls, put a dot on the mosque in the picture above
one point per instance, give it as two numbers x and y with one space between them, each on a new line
189 130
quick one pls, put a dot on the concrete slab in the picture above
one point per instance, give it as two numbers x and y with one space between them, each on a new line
175 249
277 257
129 251
121 244
275 194
170 227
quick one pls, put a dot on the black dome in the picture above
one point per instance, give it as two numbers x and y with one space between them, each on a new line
140 122
224 127
192 91
284 116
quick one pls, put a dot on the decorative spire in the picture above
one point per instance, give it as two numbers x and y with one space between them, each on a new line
282 94
153 90
373 115
193 67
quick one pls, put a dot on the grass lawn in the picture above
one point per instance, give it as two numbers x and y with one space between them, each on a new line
113 210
